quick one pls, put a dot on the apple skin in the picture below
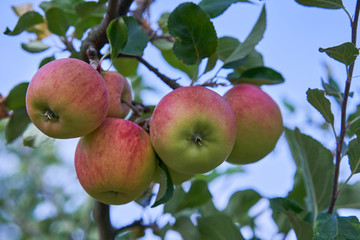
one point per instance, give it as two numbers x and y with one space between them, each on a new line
119 88
177 178
193 130
67 98
259 123
115 163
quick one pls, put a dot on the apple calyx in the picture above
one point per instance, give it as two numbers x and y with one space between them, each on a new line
197 139
49 115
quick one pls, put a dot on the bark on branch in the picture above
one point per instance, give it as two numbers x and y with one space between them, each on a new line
97 36
343 128
170 82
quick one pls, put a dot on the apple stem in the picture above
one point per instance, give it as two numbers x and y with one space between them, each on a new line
50 116
197 139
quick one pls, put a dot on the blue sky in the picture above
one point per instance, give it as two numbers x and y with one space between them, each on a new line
290 46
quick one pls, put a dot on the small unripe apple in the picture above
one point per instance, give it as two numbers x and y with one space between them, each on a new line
259 123
193 130
115 163
67 98
119 93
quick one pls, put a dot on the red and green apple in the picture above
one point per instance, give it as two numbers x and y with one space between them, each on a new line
259 123
67 98
115 163
193 130
119 92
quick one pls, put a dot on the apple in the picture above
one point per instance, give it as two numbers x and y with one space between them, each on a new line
119 91
67 98
176 177
115 163
193 130
259 123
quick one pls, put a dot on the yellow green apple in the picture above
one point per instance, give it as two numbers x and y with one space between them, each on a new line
193 130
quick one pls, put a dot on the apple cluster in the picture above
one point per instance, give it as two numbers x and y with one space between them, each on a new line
192 129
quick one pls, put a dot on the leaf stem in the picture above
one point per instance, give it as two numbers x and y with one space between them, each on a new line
343 126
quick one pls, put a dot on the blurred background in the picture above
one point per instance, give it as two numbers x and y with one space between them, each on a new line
290 46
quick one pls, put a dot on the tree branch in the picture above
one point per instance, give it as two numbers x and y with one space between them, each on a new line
170 82
142 7
137 223
343 128
89 50
97 35
102 219
124 7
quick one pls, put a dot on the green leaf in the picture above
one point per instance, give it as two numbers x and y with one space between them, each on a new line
186 228
195 36
126 66
345 53
16 97
172 205
217 7
282 222
163 44
212 175
198 194
211 62
332 227
253 60
25 22
332 89
290 208
354 155
318 100
240 203
139 39
226 46
349 196
326 226
67 6
166 190
251 41
303 229
84 24
171 59
218 227
285 204
33 137
163 22
17 124
259 76
35 46
348 228
354 122
85 9
207 209
330 4
46 60
117 35
315 164
56 21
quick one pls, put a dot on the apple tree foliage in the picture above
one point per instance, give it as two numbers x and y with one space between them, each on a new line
188 42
